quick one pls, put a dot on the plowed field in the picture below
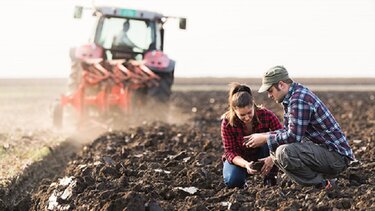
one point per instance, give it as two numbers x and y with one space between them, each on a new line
174 163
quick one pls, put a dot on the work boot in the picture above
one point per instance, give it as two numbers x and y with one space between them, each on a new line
327 184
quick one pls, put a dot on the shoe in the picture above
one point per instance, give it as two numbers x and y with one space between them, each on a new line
327 184
270 181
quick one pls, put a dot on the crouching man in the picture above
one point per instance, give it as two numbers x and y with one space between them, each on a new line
311 148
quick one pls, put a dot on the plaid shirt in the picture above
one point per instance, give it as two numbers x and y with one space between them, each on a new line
263 121
306 116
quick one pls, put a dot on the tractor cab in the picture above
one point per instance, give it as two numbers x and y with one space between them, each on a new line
127 33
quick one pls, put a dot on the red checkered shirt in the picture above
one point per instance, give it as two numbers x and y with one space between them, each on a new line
264 120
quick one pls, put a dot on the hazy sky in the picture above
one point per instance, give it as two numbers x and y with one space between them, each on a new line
239 38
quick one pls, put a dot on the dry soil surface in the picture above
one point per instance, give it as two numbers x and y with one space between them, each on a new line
164 165
159 161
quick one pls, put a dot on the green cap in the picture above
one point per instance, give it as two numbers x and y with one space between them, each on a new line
272 76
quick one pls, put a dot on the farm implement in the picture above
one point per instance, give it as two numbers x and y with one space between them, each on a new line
121 68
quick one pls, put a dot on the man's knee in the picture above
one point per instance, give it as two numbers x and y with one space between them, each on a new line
286 156
281 153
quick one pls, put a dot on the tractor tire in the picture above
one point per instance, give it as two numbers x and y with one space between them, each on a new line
162 92
57 115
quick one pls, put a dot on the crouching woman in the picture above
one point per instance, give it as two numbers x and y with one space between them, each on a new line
242 119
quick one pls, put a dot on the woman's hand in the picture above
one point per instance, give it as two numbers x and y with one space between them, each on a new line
267 166
239 161
249 169
255 140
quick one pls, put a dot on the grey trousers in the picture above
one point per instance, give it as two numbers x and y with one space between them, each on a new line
308 163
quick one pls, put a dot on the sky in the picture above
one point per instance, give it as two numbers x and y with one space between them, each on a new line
224 38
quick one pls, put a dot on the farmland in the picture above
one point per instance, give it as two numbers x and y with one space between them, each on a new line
148 163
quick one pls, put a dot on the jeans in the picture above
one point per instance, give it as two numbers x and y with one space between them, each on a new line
235 176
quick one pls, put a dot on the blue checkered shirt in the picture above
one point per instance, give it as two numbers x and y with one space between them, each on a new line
307 117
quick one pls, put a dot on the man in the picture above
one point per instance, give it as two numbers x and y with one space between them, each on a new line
311 148
123 46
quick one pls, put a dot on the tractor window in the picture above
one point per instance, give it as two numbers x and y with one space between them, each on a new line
138 33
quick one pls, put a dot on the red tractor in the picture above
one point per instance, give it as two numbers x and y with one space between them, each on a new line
121 68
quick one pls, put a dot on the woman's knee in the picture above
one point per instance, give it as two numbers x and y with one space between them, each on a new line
233 180
234 176
264 151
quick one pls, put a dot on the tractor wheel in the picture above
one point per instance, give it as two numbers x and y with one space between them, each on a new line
57 115
162 92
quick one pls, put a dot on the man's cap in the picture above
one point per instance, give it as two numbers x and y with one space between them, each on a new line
272 76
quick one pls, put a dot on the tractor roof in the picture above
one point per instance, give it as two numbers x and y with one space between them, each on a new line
124 12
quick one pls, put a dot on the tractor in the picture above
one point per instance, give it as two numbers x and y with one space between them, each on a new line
121 68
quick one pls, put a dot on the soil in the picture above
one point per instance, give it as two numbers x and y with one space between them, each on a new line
257 165
175 164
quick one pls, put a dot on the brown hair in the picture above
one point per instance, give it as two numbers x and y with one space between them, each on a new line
287 81
239 96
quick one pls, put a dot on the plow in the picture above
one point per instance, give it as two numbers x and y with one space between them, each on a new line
104 86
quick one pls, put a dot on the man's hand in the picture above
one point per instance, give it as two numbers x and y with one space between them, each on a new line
267 166
255 140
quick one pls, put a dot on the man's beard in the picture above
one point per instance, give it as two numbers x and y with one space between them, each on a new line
281 100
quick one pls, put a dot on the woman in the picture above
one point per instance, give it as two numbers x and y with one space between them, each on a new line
243 118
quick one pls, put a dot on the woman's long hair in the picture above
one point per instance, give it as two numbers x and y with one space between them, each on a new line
239 96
